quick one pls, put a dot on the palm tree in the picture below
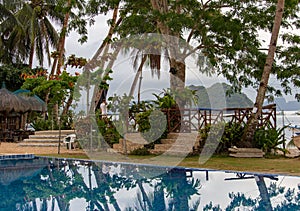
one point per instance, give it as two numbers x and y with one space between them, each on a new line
42 34
70 20
58 60
261 93
7 20
33 32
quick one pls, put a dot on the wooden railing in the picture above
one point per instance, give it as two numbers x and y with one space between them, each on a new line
202 117
187 120
195 119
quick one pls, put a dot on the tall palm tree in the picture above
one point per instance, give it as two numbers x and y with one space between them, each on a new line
252 123
34 34
42 34
61 43
7 20
70 20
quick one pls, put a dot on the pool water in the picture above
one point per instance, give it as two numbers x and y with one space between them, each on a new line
43 183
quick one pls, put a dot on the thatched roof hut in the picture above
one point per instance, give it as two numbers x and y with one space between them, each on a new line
9 102
36 103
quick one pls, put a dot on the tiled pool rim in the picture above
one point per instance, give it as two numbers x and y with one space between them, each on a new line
16 156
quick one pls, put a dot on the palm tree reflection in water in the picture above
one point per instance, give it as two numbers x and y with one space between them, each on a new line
79 185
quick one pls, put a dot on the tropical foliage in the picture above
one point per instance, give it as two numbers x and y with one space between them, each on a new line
28 30
270 139
61 88
108 131
225 32
12 75
222 36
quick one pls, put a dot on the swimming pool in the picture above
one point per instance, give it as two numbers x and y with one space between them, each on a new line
42 183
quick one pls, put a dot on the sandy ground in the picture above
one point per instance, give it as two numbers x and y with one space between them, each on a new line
14 148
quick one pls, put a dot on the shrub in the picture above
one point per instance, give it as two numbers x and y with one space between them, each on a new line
108 131
269 139
42 124
39 123
152 125
231 136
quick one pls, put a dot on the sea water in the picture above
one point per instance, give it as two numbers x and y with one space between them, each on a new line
286 118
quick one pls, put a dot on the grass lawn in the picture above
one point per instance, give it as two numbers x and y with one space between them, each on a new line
274 165
280 165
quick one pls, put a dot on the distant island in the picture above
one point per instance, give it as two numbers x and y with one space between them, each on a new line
283 105
214 96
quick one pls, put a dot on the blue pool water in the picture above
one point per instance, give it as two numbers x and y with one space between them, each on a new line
42 183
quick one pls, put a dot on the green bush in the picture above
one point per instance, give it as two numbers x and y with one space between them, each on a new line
265 138
231 136
39 123
108 131
42 124
268 139
152 125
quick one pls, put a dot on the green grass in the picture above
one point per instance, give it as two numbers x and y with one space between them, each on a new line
274 165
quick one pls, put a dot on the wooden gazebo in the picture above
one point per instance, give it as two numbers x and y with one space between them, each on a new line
13 110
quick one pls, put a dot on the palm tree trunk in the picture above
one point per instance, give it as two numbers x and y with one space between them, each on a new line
62 41
68 105
58 61
46 102
97 92
257 110
103 49
107 39
31 54
138 73
53 68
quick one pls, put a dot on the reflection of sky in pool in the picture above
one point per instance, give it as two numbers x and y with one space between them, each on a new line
63 184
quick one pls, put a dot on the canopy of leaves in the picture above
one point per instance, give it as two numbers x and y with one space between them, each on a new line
11 75
224 33
59 88
28 28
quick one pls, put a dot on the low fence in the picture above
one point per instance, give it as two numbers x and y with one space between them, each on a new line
187 120
200 118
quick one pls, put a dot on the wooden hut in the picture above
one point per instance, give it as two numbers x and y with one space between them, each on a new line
13 113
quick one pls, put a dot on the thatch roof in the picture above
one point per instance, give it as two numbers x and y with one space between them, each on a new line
10 102
36 104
